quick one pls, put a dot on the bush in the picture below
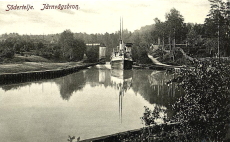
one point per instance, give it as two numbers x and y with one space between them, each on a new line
205 106
7 53
202 114
92 54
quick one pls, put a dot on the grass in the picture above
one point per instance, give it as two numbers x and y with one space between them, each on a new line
31 58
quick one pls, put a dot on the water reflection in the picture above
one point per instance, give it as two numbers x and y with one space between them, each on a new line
70 83
151 85
97 97
122 81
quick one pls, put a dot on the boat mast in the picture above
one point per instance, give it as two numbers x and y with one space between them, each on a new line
120 28
121 32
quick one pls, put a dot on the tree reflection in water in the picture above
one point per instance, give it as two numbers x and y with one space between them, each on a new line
70 84
140 81
201 116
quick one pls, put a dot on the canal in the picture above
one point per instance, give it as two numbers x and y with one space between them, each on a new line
93 102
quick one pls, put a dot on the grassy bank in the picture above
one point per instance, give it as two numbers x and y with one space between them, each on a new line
33 63
34 66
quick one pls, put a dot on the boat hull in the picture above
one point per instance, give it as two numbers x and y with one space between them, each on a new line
121 64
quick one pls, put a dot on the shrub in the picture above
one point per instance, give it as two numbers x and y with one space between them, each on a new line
7 53
205 106
202 114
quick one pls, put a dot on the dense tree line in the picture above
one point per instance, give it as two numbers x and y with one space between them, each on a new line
61 47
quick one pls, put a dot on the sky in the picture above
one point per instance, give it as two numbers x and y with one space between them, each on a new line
94 16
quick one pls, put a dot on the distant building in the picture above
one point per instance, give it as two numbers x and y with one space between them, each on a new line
92 44
102 53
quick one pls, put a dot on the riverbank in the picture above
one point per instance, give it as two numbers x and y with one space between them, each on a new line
36 66
30 71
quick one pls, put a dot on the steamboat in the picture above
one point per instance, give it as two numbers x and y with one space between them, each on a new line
121 57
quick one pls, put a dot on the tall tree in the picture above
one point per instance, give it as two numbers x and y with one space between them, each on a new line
65 41
175 25
72 49
159 31
217 25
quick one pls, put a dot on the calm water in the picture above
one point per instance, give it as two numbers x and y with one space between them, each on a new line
90 103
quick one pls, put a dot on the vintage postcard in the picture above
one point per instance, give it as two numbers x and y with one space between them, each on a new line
114 70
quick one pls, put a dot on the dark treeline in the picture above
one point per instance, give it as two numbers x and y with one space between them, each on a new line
62 47
208 39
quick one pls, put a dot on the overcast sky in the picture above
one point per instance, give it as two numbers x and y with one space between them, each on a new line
95 16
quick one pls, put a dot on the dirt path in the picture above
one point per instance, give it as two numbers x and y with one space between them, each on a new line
155 61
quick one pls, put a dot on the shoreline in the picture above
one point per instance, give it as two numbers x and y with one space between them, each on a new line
35 66
39 73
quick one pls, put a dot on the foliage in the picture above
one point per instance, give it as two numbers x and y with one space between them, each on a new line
202 114
40 45
79 49
7 53
160 28
139 54
192 37
217 25
205 106
66 43
211 44
151 117
56 52
92 54
72 49
175 25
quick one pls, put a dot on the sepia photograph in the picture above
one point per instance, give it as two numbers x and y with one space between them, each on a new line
115 71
